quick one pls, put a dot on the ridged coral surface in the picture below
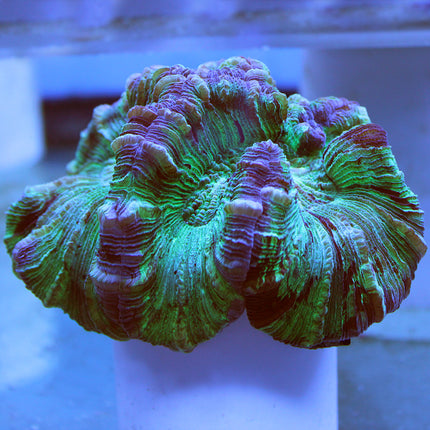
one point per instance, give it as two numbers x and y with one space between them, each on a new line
205 193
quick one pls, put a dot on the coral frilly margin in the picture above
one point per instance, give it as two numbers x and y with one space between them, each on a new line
201 194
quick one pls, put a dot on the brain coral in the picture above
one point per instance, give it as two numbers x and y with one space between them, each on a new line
203 193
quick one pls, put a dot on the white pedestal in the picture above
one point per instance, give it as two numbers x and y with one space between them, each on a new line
241 379
21 126
394 85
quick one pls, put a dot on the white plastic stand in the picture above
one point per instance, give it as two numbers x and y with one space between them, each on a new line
21 126
394 85
241 379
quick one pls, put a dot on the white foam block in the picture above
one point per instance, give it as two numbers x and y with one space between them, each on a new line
241 379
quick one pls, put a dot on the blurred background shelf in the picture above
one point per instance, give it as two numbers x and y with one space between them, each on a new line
71 27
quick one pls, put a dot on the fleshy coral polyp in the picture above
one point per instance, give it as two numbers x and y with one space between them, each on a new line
201 194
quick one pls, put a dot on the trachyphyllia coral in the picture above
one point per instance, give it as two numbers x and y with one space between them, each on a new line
204 193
